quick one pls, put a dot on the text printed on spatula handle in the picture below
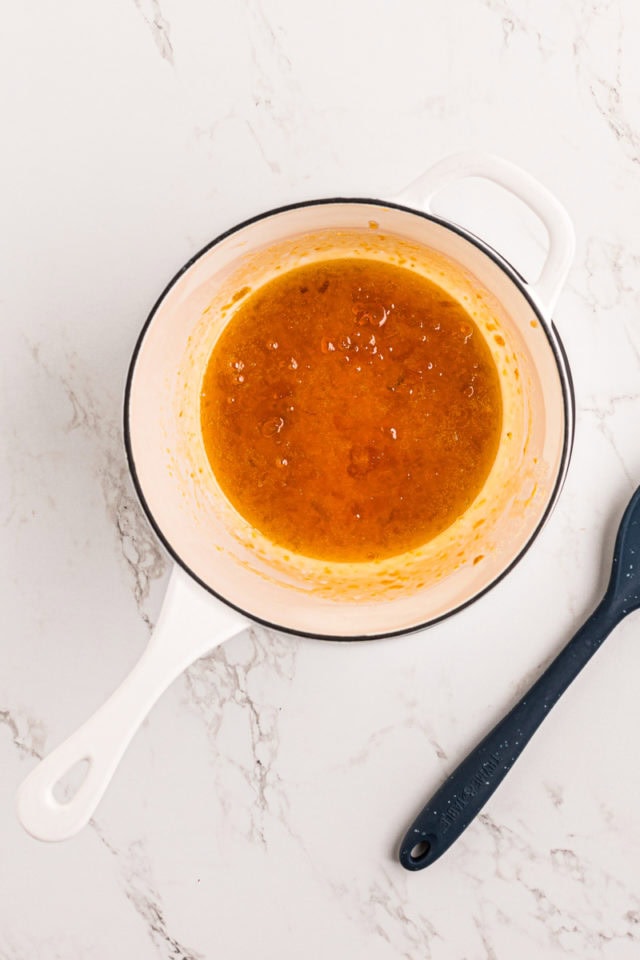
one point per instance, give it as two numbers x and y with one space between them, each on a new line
455 806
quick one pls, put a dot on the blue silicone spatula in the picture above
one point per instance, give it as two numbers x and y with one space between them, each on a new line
465 792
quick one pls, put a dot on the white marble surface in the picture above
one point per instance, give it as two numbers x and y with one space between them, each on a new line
258 812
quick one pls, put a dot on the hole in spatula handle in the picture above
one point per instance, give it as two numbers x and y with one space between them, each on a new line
416 854
419 852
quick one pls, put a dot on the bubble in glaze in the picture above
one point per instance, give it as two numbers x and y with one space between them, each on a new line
272 426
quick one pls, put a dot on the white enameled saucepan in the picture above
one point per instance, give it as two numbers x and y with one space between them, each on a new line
226 573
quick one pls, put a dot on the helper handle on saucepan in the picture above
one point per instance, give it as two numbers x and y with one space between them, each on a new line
191 624
452 808
561 237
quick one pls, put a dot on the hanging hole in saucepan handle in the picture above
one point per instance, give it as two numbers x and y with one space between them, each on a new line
560 234
66 788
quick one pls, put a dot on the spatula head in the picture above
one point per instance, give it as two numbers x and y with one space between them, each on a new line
624 586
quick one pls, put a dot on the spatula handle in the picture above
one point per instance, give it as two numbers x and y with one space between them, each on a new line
465 792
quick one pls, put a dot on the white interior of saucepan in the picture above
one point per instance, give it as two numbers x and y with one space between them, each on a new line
234 560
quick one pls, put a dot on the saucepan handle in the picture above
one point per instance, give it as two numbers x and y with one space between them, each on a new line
560 233
191 624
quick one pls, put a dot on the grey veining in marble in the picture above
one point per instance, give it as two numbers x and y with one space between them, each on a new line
258 811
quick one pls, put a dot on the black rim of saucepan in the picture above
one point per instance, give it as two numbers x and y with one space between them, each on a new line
547 326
